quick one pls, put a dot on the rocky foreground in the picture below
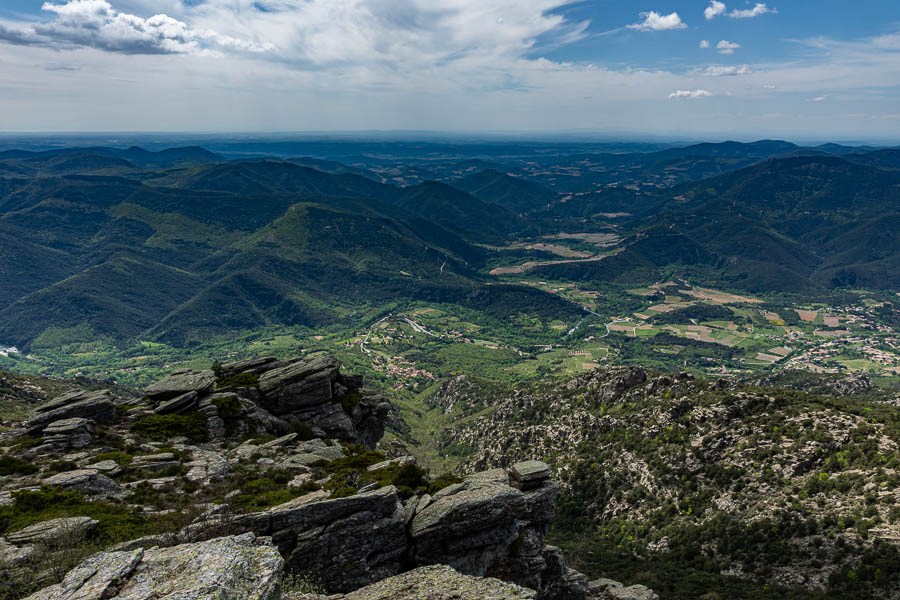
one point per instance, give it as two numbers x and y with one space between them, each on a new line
257 481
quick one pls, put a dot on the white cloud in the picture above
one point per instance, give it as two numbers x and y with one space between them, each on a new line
769 86
704 43
689 95
95 24
714 9
654 21
819 99
756 11
726 71
726 47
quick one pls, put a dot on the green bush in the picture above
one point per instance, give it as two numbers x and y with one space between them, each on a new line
120 458
229 407
350 400
445 480
117 523
61 466
241 380
163 427
27 442
10 465
304 430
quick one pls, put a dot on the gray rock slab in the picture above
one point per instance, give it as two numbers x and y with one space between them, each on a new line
70 529
231 568
180 383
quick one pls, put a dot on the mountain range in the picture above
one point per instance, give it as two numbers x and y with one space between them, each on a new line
182 244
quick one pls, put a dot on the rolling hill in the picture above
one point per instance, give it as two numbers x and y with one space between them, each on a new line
196 251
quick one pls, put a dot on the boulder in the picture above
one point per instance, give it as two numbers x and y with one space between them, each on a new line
607 589
529 474
231 568
180 383
206 465
300 385
69 433
14 556
155 462
440 582
55 531
95 406
399 461
254 365
183 403
108 467
469 526
89 482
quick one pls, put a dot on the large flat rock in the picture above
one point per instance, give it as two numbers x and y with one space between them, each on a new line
180 383
440 582
231 568
71 530
95 406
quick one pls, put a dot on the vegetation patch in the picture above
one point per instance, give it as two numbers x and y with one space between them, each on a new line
164 427
10 465
241 380
120 458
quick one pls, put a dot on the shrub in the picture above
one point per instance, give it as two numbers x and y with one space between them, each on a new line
241 380
229 407
61 466
27 442
349 401
445 480
120 458
10 465
163 427
304 430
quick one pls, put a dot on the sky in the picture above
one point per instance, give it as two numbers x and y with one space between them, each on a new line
697 69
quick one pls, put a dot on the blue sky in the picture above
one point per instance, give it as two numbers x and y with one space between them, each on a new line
698 69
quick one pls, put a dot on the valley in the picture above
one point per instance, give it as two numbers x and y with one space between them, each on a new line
702 342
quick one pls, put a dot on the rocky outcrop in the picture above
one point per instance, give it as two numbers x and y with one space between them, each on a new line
231 568
436 582
267 396
68 434
96 406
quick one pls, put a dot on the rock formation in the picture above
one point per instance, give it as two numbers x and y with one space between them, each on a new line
288 496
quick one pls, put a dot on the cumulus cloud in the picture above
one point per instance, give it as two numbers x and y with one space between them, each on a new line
726 71
689 95
704 44
95 24
758 10
726 47
654 21
714 9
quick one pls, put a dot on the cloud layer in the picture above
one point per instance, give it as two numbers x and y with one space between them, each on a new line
95 24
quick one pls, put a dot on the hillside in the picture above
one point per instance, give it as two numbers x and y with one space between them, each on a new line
188 253
514 193
695 485
799 224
